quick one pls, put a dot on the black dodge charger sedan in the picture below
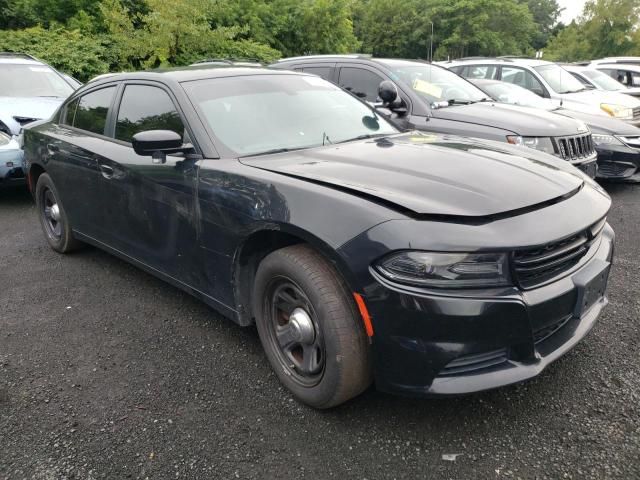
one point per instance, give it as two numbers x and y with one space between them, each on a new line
431 265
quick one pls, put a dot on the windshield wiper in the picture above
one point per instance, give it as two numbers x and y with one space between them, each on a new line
272 151
455 101
365 136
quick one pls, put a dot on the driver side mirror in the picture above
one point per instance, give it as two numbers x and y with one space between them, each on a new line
388 93
157 144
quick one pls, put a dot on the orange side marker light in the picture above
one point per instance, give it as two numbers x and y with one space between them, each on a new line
366 318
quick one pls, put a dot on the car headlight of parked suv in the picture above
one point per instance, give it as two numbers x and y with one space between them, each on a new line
618 111
544 144
446 270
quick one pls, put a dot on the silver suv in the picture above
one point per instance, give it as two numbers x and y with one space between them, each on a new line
550 80
31 90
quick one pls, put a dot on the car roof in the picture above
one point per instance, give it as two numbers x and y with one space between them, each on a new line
616 66
358 57
191 73
19 59
531 62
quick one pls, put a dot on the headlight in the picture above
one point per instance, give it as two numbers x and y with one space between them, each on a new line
446 270
543 144
599 139
618 111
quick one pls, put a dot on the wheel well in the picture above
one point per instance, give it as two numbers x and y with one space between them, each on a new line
34 173
249 256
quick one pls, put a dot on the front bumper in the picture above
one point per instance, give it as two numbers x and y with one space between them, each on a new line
434 344
588 165
618 163
12 168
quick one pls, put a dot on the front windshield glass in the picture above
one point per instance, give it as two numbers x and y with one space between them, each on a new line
258 114
602 80
513 94
560 80
433 83
19 80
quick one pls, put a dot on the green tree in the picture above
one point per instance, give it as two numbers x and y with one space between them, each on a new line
545 15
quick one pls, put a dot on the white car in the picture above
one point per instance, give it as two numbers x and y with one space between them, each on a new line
550 80
626 73
591 77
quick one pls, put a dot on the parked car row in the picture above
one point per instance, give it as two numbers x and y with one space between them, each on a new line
390 224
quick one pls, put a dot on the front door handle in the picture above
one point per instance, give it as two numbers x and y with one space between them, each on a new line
52 149
106 170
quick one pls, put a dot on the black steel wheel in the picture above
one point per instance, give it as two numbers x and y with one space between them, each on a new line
53 217
310 327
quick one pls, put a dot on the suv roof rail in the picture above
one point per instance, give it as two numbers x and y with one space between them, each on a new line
343 55
25 56
480 57
515 57
228 60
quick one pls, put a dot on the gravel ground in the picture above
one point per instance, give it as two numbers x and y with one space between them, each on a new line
107 372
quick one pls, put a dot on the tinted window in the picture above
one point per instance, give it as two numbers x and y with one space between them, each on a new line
146 108
91 114
523 78
324 72
360 82
68 113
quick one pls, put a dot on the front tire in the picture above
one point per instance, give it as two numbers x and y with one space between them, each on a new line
310 328
53 218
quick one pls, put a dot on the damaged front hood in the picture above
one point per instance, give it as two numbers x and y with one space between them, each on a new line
432 174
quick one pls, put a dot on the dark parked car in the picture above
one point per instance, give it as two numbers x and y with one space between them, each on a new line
435 265
617 142
434 99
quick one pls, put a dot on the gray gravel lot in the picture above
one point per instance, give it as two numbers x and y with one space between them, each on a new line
107 372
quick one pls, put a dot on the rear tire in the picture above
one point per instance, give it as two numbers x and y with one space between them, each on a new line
53 218
310 327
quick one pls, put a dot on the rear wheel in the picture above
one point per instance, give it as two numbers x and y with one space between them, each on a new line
53 217
310 328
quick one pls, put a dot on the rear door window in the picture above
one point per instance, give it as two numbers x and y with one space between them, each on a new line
489 72
144 107
324 72
91 112
362 83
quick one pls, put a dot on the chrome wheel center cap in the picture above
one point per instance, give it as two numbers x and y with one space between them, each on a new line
302 326
55 212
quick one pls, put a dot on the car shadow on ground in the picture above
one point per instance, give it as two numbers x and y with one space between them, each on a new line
14 196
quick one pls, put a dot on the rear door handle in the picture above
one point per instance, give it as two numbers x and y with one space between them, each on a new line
51 148
106 170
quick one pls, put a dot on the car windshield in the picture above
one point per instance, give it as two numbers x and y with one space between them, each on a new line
559 79
602 80
433 83
515 95
262 114
19 80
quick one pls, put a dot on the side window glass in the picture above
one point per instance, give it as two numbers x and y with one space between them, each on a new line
635 79
523 78
146 108
622 77
67 115
324 72
91 113
481 71
362 83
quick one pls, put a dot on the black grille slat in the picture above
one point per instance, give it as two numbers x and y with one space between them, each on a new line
475 361
555 253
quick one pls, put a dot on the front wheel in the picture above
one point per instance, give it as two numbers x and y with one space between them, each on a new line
53 217
310 328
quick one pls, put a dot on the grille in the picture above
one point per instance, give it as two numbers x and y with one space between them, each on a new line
535 266
576 147
633 141
475 361
545 332
636 113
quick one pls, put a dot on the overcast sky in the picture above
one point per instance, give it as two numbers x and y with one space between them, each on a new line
572 8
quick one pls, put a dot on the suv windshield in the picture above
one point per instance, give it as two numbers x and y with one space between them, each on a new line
261 114
19 80
433 83
602 80
559 79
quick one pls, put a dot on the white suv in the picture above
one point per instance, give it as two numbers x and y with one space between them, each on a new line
550 80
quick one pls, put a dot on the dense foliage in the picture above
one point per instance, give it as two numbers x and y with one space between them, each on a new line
87 37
